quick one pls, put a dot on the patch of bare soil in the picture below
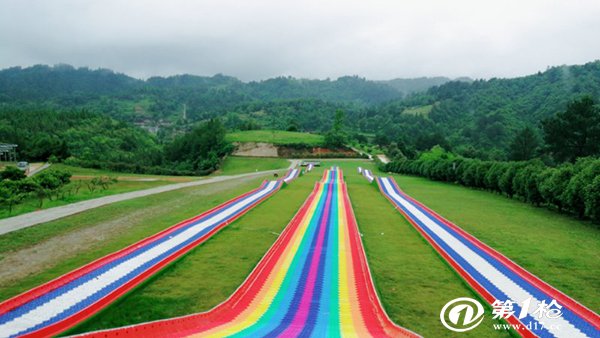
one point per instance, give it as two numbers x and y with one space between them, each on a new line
48 253
255 149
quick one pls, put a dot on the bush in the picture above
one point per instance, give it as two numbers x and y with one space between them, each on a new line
592 199
12 173
570 188
525 183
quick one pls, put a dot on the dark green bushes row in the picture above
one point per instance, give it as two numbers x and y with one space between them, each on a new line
326 155
134 168
571 188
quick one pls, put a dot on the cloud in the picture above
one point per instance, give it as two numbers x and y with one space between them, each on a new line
313 39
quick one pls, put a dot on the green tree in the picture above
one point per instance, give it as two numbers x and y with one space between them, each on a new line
525 182
48 182
586 169
575 132
201 149
553 183
592 199
336 137
12 173
14 192
525 144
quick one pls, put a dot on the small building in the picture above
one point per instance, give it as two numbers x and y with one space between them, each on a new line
8 152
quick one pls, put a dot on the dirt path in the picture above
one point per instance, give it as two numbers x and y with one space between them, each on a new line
42 216
384 159
35 168
46 254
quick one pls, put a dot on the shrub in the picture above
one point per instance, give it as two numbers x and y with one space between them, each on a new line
572 188
12 173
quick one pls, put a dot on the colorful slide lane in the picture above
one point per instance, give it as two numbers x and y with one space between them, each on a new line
62 303
368 175
494 276
291 175
314 281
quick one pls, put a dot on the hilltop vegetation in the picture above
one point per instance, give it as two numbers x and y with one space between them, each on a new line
160 102
42 134
97 141
275 137
421 84
484 119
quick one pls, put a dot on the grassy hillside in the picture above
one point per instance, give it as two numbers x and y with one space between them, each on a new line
237 165
418 110
79 188
411 279
127 182
559 249
122 224
205 277
275 137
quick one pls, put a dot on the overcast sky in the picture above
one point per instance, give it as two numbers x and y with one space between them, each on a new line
258 39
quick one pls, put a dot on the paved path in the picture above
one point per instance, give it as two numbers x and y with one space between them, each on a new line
384 159
42 216
34 170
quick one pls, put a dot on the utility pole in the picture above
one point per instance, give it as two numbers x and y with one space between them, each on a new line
184 112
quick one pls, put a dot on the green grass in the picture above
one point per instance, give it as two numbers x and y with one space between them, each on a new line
211 272
275 137
236 165
411 278
79 171
419 110
233 165
126 183
559 249
153 214
32 204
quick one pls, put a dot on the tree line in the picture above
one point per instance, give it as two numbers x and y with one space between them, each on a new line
570 187
15 187
84 138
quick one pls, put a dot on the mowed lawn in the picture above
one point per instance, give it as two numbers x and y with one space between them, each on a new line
412 280
90 172
561 250
237 165
122 224
275 137
213 271
125 183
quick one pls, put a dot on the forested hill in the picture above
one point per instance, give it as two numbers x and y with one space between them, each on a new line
130 99
421 84
473 118
61 82
481 118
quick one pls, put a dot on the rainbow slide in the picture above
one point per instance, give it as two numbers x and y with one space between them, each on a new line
494 276
314 281
291 175
62 303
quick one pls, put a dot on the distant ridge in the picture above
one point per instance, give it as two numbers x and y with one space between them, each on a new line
409 86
